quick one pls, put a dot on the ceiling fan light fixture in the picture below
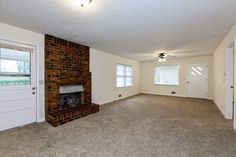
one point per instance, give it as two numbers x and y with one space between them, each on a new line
83 3
162 57
160 60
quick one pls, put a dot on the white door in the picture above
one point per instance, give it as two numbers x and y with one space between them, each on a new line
197 80
234 106
17 85
229 83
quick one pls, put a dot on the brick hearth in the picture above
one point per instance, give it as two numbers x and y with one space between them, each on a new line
66 63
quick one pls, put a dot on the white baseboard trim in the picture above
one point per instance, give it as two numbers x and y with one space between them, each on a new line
211 99
117 99
221 110
105 102
174 95
41 120
228 117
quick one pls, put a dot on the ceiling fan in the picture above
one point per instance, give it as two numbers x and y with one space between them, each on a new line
162 56
169 55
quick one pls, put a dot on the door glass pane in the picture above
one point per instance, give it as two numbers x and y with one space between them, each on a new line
14 80
11 54
15 67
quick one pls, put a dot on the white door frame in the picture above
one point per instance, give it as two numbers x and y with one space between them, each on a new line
229 83
207 94
35 49
234 82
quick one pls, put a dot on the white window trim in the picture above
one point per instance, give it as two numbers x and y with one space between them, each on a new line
157 84
125 76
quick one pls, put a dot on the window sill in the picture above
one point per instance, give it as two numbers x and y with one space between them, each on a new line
124 87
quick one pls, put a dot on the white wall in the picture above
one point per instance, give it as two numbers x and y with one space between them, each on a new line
219 70
19 35
147 77
103 68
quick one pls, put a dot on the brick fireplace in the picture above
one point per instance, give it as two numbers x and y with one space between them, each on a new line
68 81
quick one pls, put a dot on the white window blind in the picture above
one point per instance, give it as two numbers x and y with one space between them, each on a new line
166 75
123 75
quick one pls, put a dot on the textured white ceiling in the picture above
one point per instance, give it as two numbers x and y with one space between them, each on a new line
130 28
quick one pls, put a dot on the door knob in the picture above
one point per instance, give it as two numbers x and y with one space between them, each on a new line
33 93
33 88
231 86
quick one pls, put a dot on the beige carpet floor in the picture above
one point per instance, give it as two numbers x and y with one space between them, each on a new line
140 126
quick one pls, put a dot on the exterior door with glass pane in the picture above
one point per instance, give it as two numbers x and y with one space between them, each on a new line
17 86
197 80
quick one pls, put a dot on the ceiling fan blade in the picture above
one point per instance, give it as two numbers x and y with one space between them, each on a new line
171 57
188 54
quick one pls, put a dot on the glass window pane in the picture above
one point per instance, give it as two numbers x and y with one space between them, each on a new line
120 81
128 71
128 84
128 81
120 70
124 75
167 75
14 80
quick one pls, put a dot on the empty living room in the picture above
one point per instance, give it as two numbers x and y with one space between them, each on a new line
117 78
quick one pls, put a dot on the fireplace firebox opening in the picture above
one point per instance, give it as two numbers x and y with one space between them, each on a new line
71 96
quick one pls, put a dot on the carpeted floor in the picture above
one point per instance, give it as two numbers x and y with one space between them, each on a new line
140 126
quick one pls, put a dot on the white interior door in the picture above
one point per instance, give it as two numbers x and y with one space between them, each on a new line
17 86
197 80
234 84
229 83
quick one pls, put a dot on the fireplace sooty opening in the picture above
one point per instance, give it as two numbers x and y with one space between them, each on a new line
71 96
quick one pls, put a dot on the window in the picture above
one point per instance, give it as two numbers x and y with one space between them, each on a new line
123 75
167 75
14 67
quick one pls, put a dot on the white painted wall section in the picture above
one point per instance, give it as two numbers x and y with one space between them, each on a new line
147 77
103 68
